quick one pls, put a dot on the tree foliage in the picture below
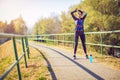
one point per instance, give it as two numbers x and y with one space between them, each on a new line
102 15
67 23
16 26
48 25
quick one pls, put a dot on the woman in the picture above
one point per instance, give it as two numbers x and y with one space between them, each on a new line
79 30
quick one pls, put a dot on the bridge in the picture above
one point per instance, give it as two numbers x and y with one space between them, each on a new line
60 61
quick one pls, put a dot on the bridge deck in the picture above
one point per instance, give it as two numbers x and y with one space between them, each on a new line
64 67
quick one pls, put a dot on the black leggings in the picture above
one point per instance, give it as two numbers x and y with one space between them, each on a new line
82 37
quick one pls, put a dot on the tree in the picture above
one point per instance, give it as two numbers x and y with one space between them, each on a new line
19 26
50 25
1 27
16 26
68 24
102 15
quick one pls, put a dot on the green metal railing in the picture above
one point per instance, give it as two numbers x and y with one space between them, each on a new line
24 42
56 38
101 39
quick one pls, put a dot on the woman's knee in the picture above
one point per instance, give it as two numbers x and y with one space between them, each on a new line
76 43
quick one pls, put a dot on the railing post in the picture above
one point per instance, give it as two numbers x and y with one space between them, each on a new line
73 41
46 38
16 57
53 39
37 37
58 39
64 39
27 46
24 52
101 42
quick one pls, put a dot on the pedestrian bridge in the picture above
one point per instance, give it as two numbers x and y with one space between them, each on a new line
61 62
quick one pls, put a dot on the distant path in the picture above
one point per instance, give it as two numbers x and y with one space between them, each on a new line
66 68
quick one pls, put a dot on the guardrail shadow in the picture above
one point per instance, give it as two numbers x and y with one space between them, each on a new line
81 66
48 64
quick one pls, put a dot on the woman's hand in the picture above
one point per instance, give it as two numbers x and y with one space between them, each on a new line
72 13
76 10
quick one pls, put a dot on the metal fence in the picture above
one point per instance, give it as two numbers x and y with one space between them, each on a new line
62 38
25 47
55 38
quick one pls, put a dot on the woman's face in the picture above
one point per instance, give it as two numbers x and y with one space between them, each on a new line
80 14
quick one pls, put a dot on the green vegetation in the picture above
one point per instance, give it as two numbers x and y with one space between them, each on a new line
47 26
102 15
16 26
37 66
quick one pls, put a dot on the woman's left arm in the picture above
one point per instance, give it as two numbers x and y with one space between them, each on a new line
84 15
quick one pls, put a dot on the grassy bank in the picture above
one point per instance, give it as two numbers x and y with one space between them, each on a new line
37 66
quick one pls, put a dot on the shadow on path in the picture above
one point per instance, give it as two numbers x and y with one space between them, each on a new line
81 66
49 65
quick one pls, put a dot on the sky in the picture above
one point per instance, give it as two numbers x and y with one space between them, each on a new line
32 10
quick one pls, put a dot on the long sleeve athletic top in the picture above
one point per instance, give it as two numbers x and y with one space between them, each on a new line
79 22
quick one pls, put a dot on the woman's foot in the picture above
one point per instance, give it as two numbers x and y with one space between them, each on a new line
87 56
74 56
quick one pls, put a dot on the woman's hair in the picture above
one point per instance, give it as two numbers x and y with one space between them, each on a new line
80 11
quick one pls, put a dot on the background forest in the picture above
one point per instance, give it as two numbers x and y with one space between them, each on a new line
16 26
102 15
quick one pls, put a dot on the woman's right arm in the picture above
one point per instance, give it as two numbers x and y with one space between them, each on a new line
72 13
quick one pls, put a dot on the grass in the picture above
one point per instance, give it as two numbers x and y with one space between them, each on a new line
107 60
37 67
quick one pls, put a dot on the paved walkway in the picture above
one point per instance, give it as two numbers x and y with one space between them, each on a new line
64 67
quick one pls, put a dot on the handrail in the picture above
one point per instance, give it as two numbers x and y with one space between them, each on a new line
2 35
24 41
102 32
98 32
43 37
24 38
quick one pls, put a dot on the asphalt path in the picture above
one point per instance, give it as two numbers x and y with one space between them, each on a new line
62 66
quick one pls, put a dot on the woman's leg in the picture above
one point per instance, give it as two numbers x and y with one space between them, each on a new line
76 42
82 36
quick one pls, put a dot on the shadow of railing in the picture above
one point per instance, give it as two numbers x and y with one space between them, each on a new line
48 64
81 66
